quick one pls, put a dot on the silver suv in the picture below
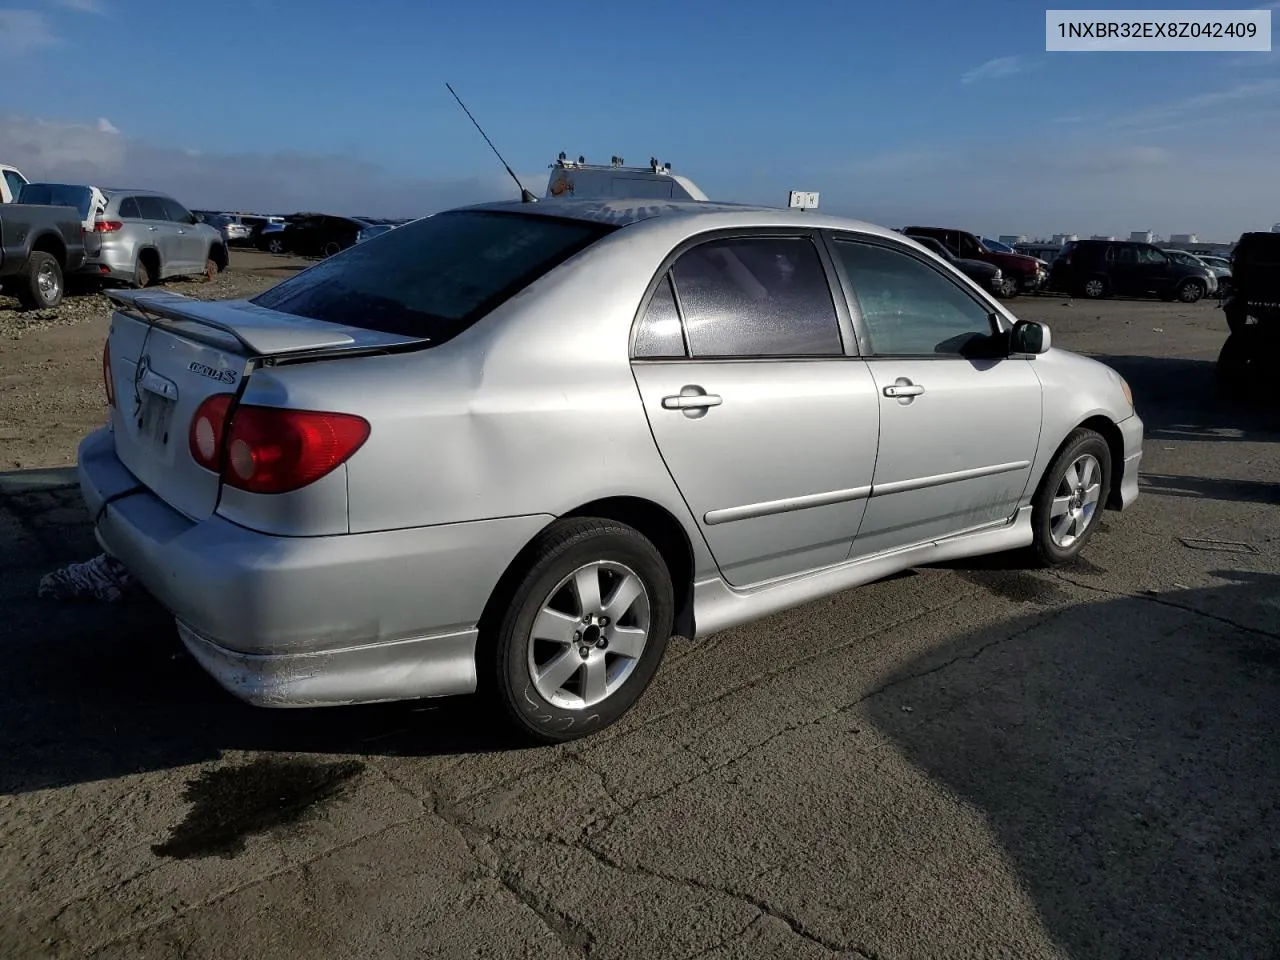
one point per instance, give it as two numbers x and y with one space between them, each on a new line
143 237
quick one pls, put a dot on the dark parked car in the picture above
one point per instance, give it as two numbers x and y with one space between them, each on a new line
986 275
1021 274
39 246
314 234
1127 268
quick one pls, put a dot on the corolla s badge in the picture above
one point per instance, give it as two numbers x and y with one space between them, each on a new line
224 376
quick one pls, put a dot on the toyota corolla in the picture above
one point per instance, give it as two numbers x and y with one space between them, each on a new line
512 449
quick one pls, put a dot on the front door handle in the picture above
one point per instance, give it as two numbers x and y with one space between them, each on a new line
901 389
697 401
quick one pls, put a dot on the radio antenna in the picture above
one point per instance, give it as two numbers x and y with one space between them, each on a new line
525 195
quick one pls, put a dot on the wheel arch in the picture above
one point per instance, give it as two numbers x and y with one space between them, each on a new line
219 255
1107 428
655 522
53 245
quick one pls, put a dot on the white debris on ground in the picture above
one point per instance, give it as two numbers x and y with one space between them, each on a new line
102 578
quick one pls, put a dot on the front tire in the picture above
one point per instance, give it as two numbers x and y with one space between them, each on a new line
584 630
1190 291
1068 505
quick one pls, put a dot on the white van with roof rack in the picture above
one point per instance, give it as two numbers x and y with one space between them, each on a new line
581 180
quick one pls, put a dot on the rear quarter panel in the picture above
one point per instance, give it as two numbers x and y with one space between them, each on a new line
534 410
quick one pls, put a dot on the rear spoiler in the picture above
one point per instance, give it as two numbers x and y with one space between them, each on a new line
258 330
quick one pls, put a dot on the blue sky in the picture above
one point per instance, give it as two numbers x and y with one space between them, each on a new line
906 111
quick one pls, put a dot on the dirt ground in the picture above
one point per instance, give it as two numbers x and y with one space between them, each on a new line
51 391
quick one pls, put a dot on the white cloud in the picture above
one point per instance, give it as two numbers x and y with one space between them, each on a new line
994 69
281 182
1211 104
22 31
1077 178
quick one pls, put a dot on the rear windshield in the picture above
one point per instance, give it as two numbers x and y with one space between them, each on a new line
58 195
433 278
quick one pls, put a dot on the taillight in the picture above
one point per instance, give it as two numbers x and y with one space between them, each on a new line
207 427
272 450
107 226
108 384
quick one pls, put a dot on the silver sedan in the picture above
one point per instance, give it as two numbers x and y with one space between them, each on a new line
514 448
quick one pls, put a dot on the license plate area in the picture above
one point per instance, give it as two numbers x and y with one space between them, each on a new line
155 418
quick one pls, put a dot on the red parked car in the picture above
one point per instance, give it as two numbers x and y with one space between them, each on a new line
1021 274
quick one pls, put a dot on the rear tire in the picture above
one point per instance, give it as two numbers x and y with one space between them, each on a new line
42 285
142 276
1095 288
332 248
1068 504
275 245
559 672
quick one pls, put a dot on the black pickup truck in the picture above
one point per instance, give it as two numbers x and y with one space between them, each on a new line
39 246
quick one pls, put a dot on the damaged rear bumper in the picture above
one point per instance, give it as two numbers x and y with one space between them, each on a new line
307 621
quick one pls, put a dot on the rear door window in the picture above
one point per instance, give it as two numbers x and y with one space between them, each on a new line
129 209
757 297
435 277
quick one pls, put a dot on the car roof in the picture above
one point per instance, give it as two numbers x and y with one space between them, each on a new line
114 191
707 214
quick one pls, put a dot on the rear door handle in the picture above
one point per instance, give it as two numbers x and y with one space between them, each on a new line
903 390
698 401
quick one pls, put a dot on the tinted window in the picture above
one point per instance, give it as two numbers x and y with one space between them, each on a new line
909 308
14 181
152 208
660 333
1125 254
435 277
933 245
58 195
765 297
129 209
1150 255
177 212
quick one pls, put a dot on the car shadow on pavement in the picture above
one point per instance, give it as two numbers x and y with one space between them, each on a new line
92 690
1177 400
1123 755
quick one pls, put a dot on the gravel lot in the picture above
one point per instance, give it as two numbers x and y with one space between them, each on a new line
976 761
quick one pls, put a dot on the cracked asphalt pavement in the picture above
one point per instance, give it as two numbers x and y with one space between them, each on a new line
976 760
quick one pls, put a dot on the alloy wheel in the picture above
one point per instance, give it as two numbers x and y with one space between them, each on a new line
1075 502
589 635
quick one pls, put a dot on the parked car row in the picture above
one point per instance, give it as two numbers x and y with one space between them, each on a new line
1006 273
137 237
321 234
1082 268
1128 268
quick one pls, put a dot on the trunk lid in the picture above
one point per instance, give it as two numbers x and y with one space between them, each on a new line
169 353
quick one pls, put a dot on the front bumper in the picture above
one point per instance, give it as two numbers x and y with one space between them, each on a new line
307 621
1131 431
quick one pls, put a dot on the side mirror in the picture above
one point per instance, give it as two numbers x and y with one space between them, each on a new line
1029 338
